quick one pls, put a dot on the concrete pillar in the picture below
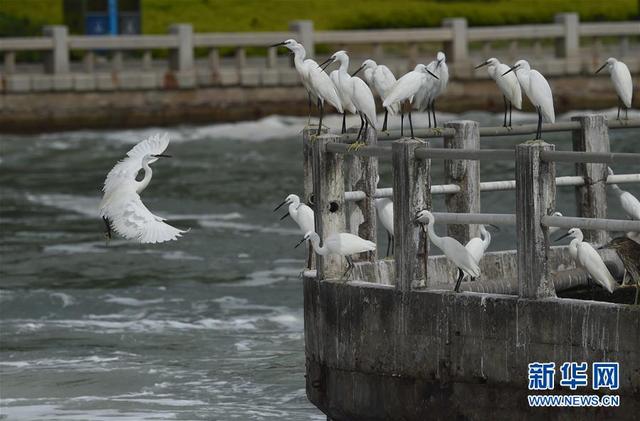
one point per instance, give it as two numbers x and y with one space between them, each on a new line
57 60
368 229
411 193
591 198
457 50
181 59
535 198
304 30
464 173
568 47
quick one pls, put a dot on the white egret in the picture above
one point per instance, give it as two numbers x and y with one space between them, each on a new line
347 104
621 79
340 244
316 82
302 215
587 257
554 229
439 68
629 203
381 79
405 89
456 252
477 246
355 89
508 85
121 207
384 209
537 89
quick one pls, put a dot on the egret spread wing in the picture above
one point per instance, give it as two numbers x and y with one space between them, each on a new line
125 170
131 219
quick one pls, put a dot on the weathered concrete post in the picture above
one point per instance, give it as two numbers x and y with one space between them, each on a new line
457 50
466 174
307 168
591 198
304 29
367 183
535 198
57 60
328 194
568 46
181 59
411 193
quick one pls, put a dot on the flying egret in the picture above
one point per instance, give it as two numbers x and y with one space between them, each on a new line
554 229
477 246
629 203
354 89
121 207
405 89
456 252
587 257
302 215
621 79
384 209
341 244
508 85
382 80
434 89
537 89
316 82
629 252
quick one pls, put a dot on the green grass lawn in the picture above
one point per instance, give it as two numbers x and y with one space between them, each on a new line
21 17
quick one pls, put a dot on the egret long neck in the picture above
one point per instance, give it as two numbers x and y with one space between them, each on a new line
148 173
322 251
344 66
486 237
298 57
435 239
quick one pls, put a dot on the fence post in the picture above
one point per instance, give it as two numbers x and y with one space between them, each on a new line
568 47
591 199
466 174
328 194
535 198
411 193
181 59
304 29
368 229
457 50
57 60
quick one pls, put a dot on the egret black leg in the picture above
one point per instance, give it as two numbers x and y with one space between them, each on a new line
510 111
539 129
626 113
384 125
309 255
321 107
401 122
107 227
504 98
344 122
309 103
429 115
433 109
460 276
393 244
388 243
411 125
349 267
619 106
361 127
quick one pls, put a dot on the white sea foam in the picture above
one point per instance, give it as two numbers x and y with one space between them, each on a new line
66 299
133 302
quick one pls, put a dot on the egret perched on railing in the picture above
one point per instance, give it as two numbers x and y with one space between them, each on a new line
302 215
121 207
537 89
382 80
340 244
432 89
356 90
621 79
587 257
405 89
456 252
316 82
508 85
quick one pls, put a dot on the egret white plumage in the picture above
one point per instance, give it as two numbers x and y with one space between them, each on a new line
629 203
507 83
456 252
477 246
381 79
587 257
347 104
302 214
340 244
355 89
122 209
537 89
434 88
405 89
316 82
621 78
384 209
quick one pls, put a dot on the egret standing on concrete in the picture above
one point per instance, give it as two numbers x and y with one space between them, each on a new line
316 82
121 207
587 257
341 244
508 85
302 215
537 89
621 79
405 89
382 80
456 252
